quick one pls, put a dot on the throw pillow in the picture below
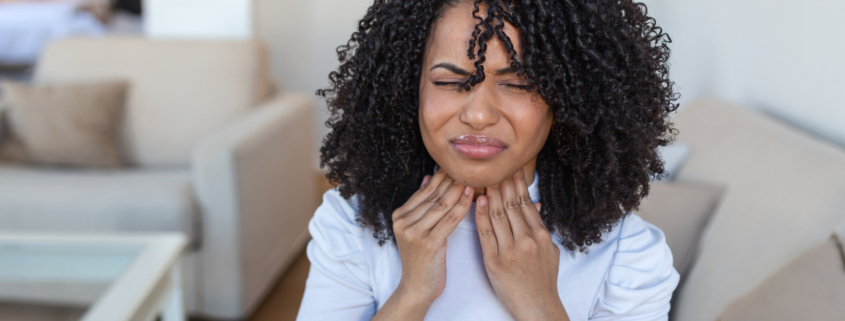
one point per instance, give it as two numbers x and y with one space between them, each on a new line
812 287
63 124
681 211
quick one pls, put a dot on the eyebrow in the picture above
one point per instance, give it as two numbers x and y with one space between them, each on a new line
452 68
505 71
464 72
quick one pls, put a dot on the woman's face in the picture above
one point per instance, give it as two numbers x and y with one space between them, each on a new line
482 136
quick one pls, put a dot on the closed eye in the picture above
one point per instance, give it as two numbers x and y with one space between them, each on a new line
447 84
520 87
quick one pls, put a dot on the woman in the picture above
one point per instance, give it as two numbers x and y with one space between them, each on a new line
473 142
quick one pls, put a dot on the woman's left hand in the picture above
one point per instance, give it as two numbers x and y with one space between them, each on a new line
519 254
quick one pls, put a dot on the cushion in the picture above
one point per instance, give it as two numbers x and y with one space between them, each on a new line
181 91
71 124
680 210
97 200
785 193
812 287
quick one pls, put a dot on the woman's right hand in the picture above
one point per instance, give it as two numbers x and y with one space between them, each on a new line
421 227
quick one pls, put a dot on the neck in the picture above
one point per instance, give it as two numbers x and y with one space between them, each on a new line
529 179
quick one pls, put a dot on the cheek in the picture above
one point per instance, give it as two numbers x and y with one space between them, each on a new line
531 121
435 110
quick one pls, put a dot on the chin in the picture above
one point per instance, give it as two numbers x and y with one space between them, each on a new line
474 175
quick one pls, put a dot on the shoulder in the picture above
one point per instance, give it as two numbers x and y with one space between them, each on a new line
336 234
340 279
639 236
640 280
336 212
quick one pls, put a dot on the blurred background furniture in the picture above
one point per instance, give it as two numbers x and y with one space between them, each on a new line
26 26
216 152
117 277
784 196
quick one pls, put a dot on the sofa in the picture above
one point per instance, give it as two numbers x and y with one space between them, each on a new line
215 151
771 246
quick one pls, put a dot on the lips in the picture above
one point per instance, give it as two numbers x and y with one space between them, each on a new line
479 147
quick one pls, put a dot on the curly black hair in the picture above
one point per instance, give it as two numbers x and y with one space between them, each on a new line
600 65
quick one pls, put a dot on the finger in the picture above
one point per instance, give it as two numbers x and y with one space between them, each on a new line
435 201
514 209
425 180
531 213
486 234
428 187
440 209
447 223
498 217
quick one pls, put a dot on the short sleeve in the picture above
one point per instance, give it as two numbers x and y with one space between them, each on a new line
640 280
338 286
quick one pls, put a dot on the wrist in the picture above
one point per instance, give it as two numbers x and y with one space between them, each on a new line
410 300
403 305
549 308
557 312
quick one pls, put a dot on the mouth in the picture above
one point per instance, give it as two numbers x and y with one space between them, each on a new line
479 147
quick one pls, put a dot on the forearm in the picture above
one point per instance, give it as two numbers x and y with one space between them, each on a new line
403 305
547 309
554 311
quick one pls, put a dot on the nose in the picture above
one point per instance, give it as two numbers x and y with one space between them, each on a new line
481 109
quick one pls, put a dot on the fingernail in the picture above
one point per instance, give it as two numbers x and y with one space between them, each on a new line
482 201
425 180
538 206
467 191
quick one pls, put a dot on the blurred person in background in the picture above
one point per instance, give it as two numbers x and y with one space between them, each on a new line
487 155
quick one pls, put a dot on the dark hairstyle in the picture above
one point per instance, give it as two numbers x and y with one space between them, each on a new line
600 65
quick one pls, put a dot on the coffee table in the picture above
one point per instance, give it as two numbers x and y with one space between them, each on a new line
119 276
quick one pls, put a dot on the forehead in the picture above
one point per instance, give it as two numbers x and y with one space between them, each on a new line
452 32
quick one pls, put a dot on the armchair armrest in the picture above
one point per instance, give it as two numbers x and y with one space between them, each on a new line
255 185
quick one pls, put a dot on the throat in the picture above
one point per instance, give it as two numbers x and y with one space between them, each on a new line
529 179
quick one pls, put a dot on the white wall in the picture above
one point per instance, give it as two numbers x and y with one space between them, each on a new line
784 57
303 36
204 19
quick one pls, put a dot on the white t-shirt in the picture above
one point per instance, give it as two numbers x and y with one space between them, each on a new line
628 276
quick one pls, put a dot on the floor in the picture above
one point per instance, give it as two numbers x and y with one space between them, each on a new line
27 312
281 303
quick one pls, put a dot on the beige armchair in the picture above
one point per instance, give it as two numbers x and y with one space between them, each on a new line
214 153
785 195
